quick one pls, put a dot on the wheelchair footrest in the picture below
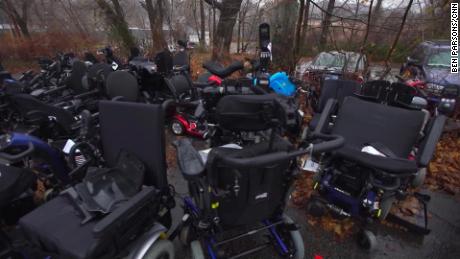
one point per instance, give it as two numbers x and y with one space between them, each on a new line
421 230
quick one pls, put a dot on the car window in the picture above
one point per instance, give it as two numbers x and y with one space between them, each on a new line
439 59
329 60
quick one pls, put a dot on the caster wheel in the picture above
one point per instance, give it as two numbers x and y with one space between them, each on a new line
419 178
367 240
296 239
316 208
177 128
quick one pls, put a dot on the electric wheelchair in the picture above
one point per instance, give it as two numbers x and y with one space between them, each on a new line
121 210
388 145
235 191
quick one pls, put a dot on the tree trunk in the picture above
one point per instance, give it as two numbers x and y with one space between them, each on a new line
115 19
18 14
223 38
306 16
326 24
238 35
203 24
299 28
395 42
156 25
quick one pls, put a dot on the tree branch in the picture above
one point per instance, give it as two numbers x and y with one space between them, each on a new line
215 4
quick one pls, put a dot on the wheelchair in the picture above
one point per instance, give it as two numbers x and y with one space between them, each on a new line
121 210
386 151
237 192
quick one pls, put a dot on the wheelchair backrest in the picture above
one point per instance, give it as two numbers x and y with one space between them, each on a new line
26 103
122 83
374 90
178 84
362 123
138 129
335 89
262 190
76 76
252 112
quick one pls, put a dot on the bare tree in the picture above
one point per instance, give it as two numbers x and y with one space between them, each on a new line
326 23
202 24
223 37
306 16
18 11
116 19
299 28
398 35
156 23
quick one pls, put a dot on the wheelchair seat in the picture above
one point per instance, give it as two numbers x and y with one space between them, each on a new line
13 182
217 70
396 130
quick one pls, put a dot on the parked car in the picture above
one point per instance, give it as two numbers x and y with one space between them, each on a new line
430 62
333 65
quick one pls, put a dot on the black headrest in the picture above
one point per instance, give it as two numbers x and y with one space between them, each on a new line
75 81
138 129
178 84
122 83
250 112
361 123
336 89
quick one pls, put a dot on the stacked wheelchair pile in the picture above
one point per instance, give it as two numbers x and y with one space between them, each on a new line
83 172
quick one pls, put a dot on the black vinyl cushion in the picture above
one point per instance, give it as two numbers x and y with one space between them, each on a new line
122 83
26 103
362 123
335 89
178 85
217 70
262 189
138 129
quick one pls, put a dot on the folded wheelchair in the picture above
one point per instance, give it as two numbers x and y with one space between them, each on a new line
121 210
388 145
237 192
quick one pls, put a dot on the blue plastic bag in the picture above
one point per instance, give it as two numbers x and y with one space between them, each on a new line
280 83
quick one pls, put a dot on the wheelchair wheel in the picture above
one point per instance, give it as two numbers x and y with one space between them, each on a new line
316 208
177 128
367 240
186 235
196 250
161 249
296 239
419 178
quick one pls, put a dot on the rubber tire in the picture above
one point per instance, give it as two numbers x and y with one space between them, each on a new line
159 249
196 250
385 206
315 208
419 178
367 240
181 126
296 238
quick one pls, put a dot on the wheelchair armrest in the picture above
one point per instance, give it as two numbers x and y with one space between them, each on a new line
324 119
428 146
188 158
123 212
